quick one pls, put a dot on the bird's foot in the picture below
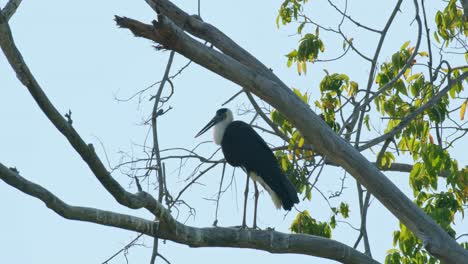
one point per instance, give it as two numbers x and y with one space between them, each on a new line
240 227
245 227
255 227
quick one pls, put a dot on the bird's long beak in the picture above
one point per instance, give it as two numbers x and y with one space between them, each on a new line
210 124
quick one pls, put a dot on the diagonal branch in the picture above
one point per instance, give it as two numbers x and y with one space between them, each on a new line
200 29
156 152
265 118
312 127
86 151
78 213
169 228
352 20
370 80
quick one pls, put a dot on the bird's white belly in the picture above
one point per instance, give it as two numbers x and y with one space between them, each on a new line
274 197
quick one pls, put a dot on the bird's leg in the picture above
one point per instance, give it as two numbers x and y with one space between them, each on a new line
246 193
255 206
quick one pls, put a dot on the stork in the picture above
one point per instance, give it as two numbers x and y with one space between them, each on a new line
243 147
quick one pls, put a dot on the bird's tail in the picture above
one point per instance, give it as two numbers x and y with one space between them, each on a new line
287 192
281 190
290 194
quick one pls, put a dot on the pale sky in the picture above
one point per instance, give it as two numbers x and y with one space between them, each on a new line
83 61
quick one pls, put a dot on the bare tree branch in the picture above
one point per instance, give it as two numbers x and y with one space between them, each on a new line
265 118
126 247
370 79
352 20
170 229
86 151
75 212
195 26
156 152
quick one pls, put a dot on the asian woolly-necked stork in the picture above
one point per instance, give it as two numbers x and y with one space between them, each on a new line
243 147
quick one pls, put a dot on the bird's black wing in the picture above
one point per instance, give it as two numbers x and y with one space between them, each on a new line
242 146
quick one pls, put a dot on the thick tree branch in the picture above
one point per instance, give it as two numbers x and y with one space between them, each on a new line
86 151
312 127
196 27
75 212
170 229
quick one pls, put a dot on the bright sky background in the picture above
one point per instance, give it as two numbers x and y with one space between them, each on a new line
83 61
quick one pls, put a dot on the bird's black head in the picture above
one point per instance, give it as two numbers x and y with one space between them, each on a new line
221 115
221 111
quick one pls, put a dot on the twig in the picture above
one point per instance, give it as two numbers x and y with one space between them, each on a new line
265 118
193 181
352 20
232 97
122 249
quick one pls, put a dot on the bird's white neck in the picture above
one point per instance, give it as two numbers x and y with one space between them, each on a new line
220 128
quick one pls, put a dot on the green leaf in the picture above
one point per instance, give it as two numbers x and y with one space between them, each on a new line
309 48
277 118
305 224
333 222
292 56
353 88
366 122
405 45
436 37
463 110
400 87
344 209
423 54
301 26
413 77
396 60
